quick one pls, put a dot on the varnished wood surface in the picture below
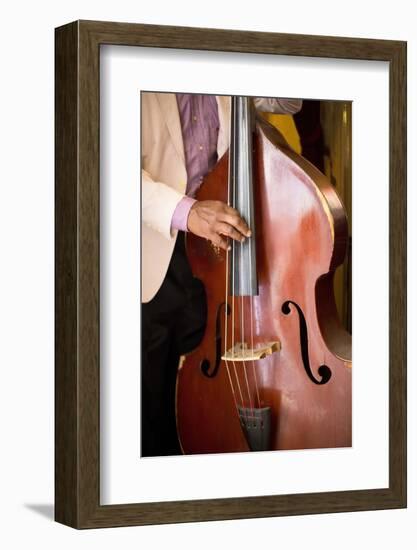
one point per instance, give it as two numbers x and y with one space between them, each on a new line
301 236
77 369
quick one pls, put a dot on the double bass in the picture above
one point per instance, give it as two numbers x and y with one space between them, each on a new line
273 369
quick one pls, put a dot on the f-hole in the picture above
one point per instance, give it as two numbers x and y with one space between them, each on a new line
323 370
205 365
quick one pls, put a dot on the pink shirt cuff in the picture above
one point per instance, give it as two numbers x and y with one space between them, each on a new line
180 216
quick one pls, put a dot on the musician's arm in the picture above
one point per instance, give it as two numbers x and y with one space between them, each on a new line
159 202
277 105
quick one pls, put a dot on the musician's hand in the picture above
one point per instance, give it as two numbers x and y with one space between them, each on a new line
212 219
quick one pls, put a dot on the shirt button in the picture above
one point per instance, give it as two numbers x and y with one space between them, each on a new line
194 118
200 147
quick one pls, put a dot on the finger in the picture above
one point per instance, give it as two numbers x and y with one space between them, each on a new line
217 240
229 231
230 210
236 221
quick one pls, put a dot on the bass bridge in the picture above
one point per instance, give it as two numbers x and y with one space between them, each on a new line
242 352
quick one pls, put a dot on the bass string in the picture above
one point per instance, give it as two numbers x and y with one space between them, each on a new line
244 145
243 350
226 312
233 173
253 362
233 334
251 218
226 332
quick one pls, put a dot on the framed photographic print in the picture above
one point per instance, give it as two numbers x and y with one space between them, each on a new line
230 274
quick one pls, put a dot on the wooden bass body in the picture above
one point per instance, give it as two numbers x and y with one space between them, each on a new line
301 237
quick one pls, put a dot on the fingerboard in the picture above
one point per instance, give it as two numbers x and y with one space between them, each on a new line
243 277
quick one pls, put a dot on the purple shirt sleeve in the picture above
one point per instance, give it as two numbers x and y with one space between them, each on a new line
180 216
200 127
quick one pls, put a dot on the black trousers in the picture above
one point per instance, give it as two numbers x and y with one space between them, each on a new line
173 323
